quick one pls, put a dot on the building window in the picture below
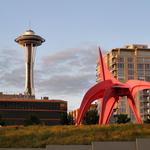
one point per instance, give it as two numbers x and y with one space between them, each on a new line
142 111
63 106
147 72
140 66
147 78
140 73
121 78
130 66
147 66
140 59
147 91
130 77
130 59
120 59
146 60
140 78
130 72
120 73
120 65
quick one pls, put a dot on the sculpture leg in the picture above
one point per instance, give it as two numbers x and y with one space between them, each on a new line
92 94
114 101
133 107
107 109
107 105
83 109
87 100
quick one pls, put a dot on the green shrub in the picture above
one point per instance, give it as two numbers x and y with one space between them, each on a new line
32 120
91 117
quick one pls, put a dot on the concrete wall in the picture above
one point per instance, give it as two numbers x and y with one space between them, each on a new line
113 146
139 144
143 144
68 147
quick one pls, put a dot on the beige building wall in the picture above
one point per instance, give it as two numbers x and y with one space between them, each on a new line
128 63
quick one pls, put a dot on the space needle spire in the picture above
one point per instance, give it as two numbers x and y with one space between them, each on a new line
29 41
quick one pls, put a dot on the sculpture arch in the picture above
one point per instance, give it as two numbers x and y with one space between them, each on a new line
109 91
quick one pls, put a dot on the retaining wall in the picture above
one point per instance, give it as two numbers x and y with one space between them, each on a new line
139 144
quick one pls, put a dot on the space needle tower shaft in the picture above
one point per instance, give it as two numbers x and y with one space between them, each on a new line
29 40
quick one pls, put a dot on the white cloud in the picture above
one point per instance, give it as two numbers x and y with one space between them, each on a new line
66 74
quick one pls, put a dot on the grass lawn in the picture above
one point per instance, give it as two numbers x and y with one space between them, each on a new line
40 136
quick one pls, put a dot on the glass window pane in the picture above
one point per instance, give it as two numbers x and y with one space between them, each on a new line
120 65
140 66
147 66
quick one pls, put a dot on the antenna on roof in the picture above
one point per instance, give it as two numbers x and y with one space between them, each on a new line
29 25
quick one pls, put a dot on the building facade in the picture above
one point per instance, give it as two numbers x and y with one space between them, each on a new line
16 109
130 63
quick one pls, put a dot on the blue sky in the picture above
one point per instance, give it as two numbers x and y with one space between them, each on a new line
73 29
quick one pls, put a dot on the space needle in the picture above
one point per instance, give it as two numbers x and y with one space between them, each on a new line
29 41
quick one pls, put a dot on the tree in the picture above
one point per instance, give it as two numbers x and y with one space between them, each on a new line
70 119
67 119
64 119
122 118
91 117
32 120
2 123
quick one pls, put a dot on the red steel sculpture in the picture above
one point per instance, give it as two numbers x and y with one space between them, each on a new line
109 91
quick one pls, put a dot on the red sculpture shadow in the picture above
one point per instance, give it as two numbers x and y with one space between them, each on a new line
109 91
